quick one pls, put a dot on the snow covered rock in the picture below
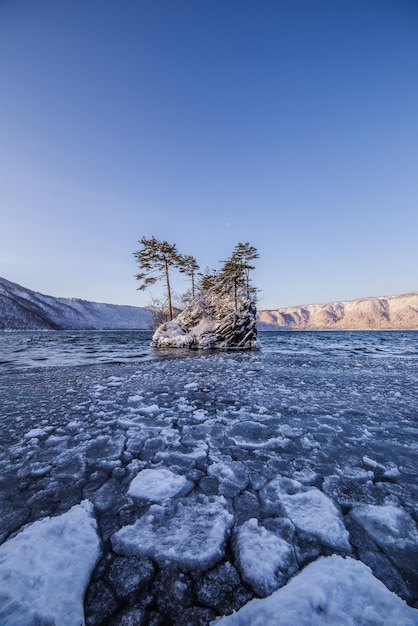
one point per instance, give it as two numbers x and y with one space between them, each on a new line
191 534
45 569
310 510
159 484
329 591
211 321
266 561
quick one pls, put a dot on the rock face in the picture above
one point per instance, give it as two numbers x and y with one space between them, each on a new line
211 321
384 313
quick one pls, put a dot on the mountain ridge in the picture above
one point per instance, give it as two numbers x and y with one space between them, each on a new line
399 312
25 309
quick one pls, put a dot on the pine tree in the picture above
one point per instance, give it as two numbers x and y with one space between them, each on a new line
157 256
236 269
189 266
207 280
243 254
232 273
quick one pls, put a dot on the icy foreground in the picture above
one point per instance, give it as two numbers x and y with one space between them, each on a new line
211 321
215 479
45 569
327 592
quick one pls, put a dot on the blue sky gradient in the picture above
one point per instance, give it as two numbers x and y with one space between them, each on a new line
292 124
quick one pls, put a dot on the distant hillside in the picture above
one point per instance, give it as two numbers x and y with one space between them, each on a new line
23 309
385 313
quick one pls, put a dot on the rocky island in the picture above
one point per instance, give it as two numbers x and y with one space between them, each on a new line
220 311
211 321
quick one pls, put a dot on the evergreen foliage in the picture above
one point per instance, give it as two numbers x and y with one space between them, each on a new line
242 255
232 274
189 266
157 256
236 270
207 280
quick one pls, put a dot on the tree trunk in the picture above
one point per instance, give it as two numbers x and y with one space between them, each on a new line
170 308
192 284
235 294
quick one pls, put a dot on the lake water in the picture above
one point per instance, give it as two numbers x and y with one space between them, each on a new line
21 351
83 413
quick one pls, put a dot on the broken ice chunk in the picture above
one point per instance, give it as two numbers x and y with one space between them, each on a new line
232 477
310 510
388 525
45 569
253 436
159 484
266 561
396 533
192 534
329 591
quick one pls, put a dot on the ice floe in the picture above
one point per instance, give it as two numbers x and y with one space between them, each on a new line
395 532
291 446
310 510
192 534
45 569
389 526
232 477
156 485
329 591
266 561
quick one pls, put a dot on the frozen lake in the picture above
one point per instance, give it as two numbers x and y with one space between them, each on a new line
214 477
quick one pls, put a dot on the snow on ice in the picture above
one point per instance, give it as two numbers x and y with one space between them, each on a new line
311 511
159 484
265 560
192 534
215 479
45 569
330 591
388 525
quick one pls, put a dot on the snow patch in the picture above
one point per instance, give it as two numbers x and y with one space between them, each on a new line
266 561
159 484
45 569
311 511
330 591
388 525
192 534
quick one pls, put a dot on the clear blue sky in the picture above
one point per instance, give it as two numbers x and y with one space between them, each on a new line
291 124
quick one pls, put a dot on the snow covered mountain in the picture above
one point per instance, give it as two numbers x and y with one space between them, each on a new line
24 309
385 313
